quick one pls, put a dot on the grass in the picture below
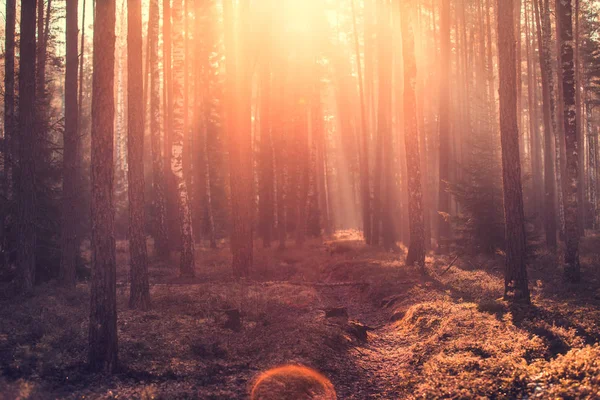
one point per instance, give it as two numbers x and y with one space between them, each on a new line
434 336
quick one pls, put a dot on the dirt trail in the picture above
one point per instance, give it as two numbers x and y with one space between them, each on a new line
380 359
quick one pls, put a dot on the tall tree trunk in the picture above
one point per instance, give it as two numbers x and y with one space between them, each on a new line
559 137
240 146
70 152
280 145
266 173
364 135
26 201
518 32
515 275
169 185
416 250
103 346
140 291
186 266
592 165
443 232
535 152
161 240
303 169
544 37
580 131
9 95
572 266
384 125
81 64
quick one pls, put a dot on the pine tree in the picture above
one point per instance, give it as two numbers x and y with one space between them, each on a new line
515 274
161 240
187 262
103 310
544 36
572 266
9 94
240 146
140 291
69 241
416 250
28 141
443 233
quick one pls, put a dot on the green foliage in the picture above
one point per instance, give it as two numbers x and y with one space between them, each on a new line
479 224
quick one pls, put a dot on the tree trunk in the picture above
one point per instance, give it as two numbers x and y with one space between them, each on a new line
364 135
572 267
161 240
103 313
26 209
559 137
544 36
280 152
9 96
170 189
580 131
515 275
81 63
139 292
240 146
443 232
70 154
535 149
384 125
416 250
186 266
266 173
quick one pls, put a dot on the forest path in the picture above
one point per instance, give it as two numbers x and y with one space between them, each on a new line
380 360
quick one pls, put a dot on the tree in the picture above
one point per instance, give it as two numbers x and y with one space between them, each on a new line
186 266
416 250
267 176
161 239
544 37
9 92
239 138
69 241
168 120
103 346
443 233
570 200
515 274
364 134
26 231
384 126
140 292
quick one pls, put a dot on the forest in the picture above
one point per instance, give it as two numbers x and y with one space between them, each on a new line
299 199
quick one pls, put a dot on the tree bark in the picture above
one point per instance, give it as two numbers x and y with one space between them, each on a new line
161 240
103 346
240 146
416 249
515 275
26 201
186 267
570 197
139 296
9 96
581 189
364 135
544 37
443 231
266 173
70 152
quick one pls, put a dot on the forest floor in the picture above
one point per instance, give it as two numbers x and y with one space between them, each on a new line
445 334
